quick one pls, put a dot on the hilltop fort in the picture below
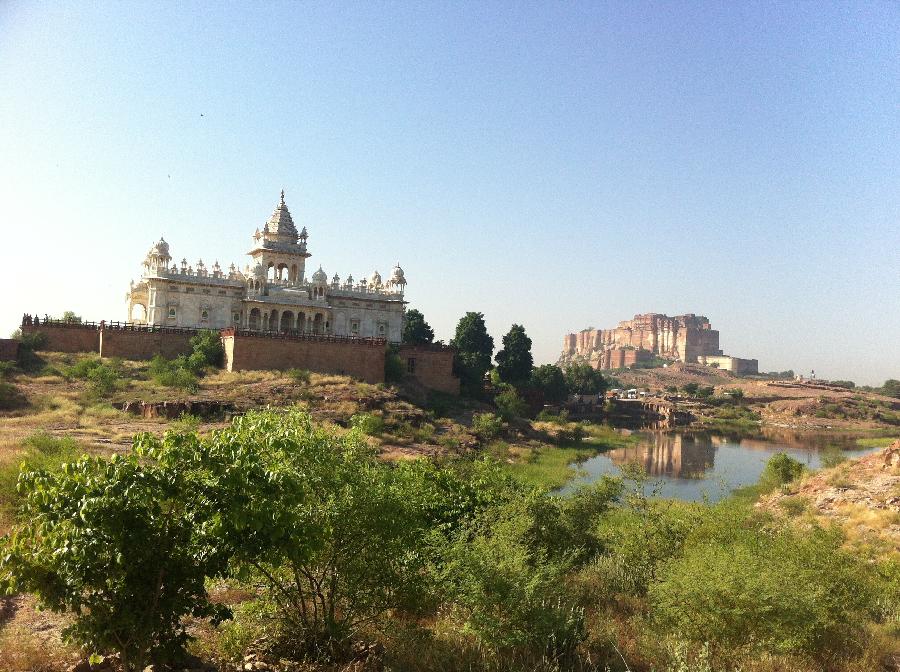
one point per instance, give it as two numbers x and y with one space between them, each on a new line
684 338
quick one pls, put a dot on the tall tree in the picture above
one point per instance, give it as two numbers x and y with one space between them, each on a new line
584 379
514 361
474 347
416 330
549 379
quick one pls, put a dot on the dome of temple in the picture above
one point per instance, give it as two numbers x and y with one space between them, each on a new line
398 277
320 276
281 221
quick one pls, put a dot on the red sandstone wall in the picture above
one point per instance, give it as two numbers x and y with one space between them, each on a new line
9 349
360 360
67 338
143 344
433 368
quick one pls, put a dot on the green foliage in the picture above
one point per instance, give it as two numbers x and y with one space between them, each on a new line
175 373
474 347
510 405
736 394
561 418
393 365
584 379
336 536
832 456
10 396
705 392
848 384
207 345
780 469
113 543
299 376
549 379
486 426
367 423
416 330
691 388
507 591
29 345
103 378
514 360
775 591
891 388
71 317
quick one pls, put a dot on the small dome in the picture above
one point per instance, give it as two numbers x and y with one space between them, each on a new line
161 249
375 279
320 276
397 277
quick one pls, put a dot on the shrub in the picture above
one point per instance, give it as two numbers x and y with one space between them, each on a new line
779 470
784 592
114 544
173 373
486 426
207 345
7 369
300 376
367 423
10 396
393 365
507 591
510 404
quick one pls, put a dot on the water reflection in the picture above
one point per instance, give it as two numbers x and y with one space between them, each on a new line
692 465
669 454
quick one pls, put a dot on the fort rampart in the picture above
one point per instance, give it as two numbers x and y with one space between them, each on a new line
362 358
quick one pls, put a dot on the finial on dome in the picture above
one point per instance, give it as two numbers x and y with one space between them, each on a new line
282 196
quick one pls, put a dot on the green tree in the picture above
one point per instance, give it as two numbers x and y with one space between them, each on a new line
891 388
514 360
116 544
334 534
549 379
70 316
510 405
416 330
474 347
691 388
207 346
584 379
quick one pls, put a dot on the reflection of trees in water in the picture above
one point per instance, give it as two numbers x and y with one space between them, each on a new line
664 454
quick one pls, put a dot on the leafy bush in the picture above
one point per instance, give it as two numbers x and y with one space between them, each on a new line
367 423
774 591
549 379
511 405
691 388
10 396
29 345
584 379
207 345
300 376
114 544
508 592
7 369
560 418
779 470
486 426
175 373
393 365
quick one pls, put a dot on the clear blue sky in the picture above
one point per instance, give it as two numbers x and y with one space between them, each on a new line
560 165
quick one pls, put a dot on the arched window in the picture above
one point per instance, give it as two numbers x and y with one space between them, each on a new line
254 322
138 313
287 321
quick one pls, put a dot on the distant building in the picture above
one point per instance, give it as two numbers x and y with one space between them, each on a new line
272 294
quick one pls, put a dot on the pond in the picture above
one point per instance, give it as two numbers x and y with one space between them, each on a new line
692 464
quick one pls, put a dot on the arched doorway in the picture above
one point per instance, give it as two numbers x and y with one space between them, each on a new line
301 322
287 321
138 313
273 320
319 323
253 323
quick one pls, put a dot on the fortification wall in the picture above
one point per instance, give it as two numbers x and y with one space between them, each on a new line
431 366
9 349
67 337
363 359
129 344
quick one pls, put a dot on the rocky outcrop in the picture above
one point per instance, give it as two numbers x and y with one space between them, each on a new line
681 338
